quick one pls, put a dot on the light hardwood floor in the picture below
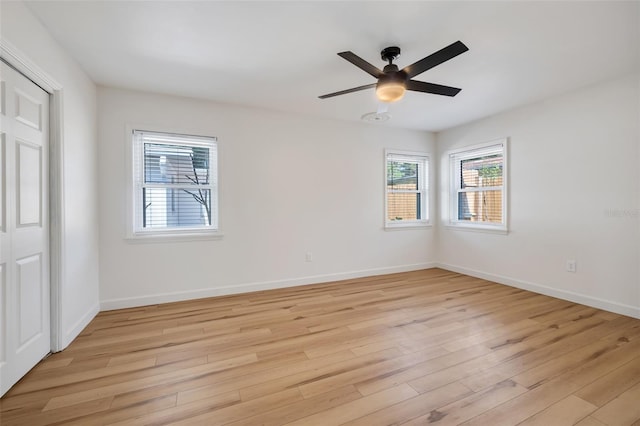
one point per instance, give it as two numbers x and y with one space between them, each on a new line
426 347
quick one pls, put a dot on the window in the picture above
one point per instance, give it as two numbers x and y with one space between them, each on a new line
174 184
406 201
478 193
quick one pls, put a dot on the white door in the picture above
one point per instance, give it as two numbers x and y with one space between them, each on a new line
24 226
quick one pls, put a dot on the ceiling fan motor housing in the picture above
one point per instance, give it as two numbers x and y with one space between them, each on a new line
393 76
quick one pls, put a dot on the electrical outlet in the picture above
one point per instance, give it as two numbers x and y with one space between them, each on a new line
309 257
571 266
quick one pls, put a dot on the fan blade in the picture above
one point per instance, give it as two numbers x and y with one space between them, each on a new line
344 92
361 63
434 59
436 89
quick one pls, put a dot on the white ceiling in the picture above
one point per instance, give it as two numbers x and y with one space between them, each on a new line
282 55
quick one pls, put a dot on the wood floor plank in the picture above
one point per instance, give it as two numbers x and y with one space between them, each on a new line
318 375
566 362
304 408
370 371
525 405
421 347
414 407
60 362
623 410
306 368
97 393
611 385
56 380
61 415
566 412
119 414
358 408
472 405
243 409
178 413
590 421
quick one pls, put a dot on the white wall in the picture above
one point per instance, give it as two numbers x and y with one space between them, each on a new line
79 285
574 194
288 185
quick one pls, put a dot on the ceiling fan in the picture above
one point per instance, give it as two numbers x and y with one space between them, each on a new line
392 83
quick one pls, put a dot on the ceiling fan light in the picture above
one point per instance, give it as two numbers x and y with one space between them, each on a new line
391 91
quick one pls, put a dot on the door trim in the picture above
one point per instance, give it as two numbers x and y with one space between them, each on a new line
15 58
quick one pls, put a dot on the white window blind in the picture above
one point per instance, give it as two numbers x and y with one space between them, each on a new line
406 189
478 193
175 183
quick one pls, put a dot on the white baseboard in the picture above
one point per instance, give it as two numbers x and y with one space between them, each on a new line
607 305
80 325
130 302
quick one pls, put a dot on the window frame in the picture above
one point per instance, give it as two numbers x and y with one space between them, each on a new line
456 157
135 174
423 161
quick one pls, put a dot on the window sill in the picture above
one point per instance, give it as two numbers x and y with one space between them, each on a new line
488 229
396 226
161 237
